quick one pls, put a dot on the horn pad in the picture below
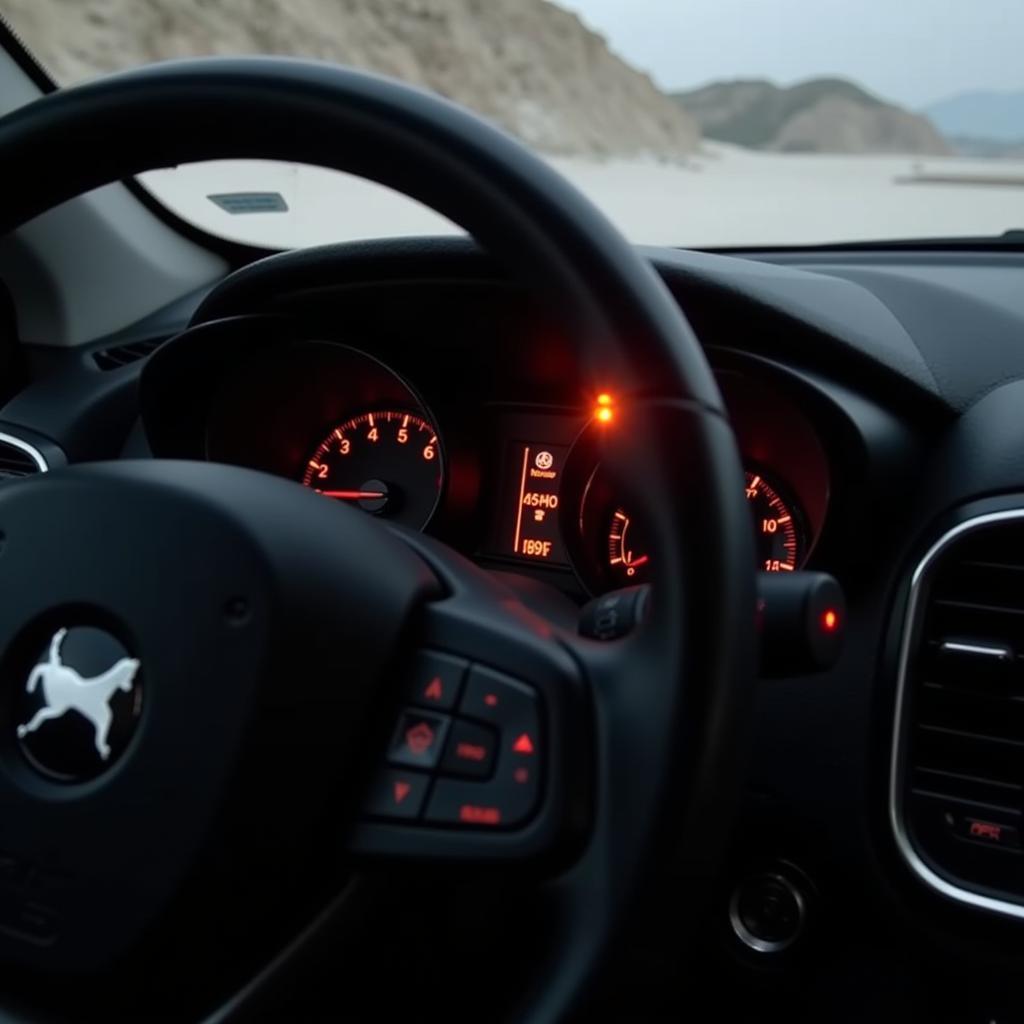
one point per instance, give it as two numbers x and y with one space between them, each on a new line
188 667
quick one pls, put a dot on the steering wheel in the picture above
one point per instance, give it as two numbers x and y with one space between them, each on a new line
277 635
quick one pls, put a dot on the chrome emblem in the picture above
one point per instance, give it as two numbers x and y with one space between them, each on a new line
64 690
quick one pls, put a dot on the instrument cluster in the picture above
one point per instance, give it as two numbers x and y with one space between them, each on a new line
523 485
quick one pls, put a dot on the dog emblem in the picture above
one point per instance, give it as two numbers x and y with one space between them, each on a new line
66 690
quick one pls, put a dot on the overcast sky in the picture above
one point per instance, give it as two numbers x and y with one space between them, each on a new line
911 51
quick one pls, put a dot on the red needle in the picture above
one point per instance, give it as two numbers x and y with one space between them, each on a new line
352 495
640 561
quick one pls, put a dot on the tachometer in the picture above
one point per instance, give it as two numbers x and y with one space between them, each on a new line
386 462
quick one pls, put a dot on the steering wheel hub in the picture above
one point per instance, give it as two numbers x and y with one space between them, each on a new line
81 704
175 627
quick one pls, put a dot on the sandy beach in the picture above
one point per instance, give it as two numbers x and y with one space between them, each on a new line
725 196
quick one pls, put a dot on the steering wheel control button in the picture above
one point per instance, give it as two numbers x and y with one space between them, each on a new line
499 700
768 912
508 801
79 705
436 680
397 794
473 804
419 739
471 751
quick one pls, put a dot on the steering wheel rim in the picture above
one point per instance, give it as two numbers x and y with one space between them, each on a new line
678 716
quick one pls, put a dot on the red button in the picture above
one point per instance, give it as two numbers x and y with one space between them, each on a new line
474 814
523 745
471 751
419 738
436 680
397 794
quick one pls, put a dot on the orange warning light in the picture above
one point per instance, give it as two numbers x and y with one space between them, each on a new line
604 411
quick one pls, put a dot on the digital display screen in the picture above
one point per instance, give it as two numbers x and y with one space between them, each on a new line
528 525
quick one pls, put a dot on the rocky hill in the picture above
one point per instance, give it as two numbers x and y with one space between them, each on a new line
529 65
825 115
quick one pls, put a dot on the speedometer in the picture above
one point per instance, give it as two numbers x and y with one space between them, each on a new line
777 528
386 462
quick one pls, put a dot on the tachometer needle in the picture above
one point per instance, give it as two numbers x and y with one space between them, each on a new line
353 495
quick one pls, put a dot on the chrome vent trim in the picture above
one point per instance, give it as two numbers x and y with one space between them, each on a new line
28 449
911 629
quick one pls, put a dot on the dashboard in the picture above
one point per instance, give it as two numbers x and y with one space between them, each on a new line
414 381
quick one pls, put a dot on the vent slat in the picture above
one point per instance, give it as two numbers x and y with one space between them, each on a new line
122 355
979 805
1009 787
963 734
979 606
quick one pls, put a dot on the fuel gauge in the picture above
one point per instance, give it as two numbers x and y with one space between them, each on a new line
627 548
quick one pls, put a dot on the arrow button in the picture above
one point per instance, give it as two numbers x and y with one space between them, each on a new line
397 794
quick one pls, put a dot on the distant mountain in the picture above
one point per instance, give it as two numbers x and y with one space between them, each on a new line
995 116
967 145
528 65
824 115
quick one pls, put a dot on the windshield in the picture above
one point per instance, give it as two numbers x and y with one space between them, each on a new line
703 123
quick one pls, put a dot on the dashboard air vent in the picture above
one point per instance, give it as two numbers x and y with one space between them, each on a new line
958 768
121 355
18 459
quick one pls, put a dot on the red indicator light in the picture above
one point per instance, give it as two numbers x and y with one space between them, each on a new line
986 830
521 775
434 690
491 700
830 620
523 745
420 738
471 814
402 790
471 752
